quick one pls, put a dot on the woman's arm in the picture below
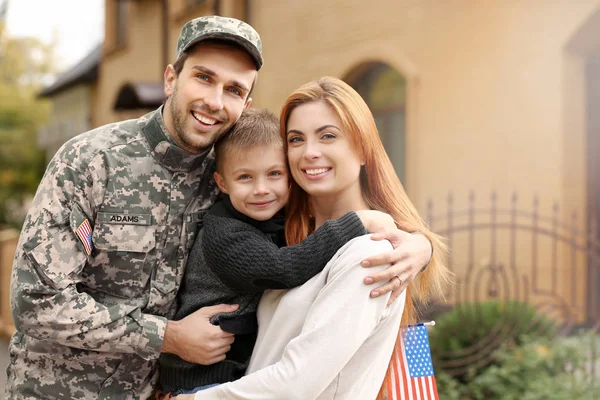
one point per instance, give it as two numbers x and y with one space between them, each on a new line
338 323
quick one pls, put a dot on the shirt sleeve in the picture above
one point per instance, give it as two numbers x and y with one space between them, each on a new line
49 261
340 320
245 261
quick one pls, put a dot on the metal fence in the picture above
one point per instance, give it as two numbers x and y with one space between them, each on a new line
507 254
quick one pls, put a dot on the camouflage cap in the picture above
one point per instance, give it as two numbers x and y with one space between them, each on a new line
216 27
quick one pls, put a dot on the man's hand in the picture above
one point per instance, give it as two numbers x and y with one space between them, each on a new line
196 340
411 253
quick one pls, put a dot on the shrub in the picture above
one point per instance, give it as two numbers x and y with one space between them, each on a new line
538 369
465 339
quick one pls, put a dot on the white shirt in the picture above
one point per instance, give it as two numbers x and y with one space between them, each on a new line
327 339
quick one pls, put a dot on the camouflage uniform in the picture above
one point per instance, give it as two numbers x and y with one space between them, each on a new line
103 249
91 326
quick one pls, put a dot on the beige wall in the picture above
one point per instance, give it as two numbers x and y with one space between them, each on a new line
138 61
486 81
141 59
495 99
495 96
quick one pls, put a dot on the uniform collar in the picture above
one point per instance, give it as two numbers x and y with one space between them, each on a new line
167 152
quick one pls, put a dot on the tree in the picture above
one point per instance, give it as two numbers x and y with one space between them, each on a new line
25 65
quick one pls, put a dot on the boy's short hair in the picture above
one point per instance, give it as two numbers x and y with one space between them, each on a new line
255 127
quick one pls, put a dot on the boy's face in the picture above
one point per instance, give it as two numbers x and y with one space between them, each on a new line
256 180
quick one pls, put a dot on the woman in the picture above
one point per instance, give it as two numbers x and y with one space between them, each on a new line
327 339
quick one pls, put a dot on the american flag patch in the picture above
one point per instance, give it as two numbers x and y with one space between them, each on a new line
84 232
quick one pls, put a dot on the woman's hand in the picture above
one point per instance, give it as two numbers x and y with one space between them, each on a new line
376 221
412 251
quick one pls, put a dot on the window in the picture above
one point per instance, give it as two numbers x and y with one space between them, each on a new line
192 3
120 23
384 90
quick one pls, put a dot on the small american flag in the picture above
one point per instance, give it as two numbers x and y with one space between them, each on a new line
412 370
84 232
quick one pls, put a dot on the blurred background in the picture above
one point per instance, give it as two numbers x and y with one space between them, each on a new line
489 110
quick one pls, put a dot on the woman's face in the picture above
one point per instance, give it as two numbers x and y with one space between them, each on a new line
321 156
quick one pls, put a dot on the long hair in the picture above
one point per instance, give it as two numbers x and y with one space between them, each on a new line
381 188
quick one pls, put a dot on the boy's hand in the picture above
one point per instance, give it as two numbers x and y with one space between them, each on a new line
411 253
196 340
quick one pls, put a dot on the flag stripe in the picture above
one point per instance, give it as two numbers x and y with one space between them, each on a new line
421 388
401 374
393 383
435 390
405 374
428 387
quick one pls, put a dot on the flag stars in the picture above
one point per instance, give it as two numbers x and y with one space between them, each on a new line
417 352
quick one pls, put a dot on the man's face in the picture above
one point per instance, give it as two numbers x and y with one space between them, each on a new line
208 96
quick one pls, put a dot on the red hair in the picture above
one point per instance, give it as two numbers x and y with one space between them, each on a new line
381 188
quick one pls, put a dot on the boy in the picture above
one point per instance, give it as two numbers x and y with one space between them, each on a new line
240 251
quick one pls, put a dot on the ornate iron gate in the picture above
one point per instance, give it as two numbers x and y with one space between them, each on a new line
514 256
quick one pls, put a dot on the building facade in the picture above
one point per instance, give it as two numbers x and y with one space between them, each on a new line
73 97
492 102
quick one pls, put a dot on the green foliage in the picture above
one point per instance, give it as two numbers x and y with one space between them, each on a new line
471 332
511 352
537 369
25 63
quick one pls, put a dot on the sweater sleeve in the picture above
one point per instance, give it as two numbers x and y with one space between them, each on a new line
339 321
246 262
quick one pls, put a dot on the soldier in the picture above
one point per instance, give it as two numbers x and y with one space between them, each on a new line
106 240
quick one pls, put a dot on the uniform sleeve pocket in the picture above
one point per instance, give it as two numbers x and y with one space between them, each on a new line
56 255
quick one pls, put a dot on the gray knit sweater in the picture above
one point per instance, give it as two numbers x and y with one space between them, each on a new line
233 260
